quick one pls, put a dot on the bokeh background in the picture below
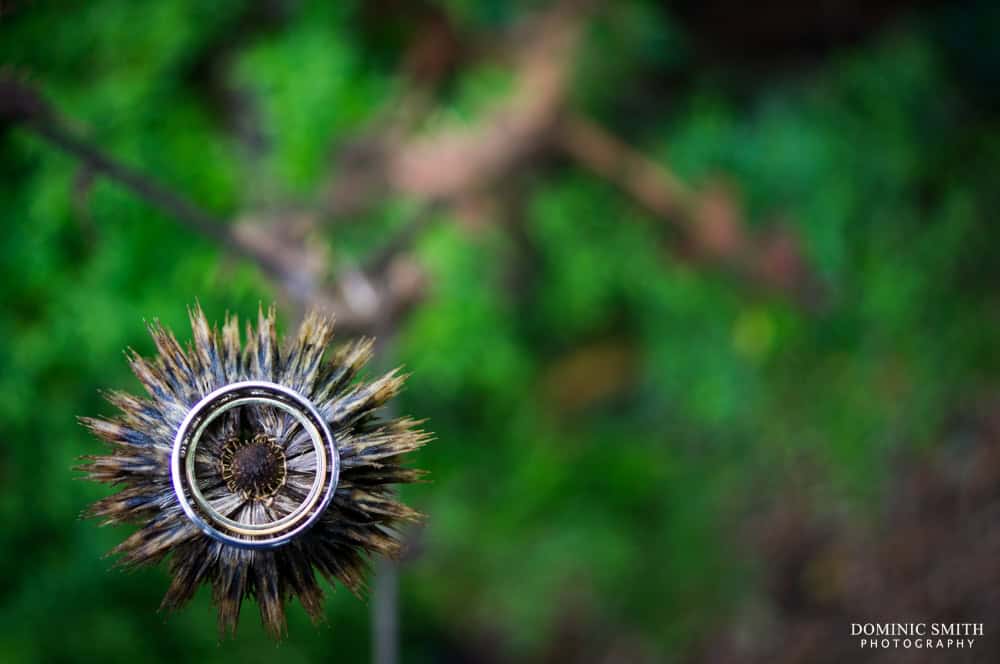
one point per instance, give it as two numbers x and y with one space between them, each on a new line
699 298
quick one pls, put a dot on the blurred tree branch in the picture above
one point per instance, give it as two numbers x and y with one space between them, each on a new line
711 223
447 167
297 267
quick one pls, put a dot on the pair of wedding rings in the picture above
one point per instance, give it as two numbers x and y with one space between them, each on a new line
204 514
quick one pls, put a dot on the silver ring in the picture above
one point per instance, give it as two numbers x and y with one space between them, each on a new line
210 520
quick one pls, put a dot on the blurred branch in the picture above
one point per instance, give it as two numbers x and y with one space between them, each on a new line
448 165
181 209
711 223
649 183
451 163
357 301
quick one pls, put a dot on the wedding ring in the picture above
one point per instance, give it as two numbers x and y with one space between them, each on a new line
199 509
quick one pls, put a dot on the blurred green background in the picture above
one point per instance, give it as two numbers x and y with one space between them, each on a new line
611 406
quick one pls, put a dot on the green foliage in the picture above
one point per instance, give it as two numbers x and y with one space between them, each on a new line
311 85
705 389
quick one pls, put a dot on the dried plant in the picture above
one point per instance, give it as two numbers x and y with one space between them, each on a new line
255 465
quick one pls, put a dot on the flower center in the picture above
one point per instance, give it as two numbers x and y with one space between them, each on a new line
253 468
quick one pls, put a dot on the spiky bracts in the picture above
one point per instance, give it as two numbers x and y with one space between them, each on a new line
255 466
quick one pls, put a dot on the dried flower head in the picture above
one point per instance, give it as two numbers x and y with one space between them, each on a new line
253 468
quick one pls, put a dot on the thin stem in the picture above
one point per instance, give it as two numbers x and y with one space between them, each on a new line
385 591
385 613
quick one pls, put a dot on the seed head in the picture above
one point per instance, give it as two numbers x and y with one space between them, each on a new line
258 467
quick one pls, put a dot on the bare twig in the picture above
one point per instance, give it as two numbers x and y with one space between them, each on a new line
454 162
296 266
447 165
450 166
711 222
648 182
182 210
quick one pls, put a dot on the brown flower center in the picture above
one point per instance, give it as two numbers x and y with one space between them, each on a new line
254 468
